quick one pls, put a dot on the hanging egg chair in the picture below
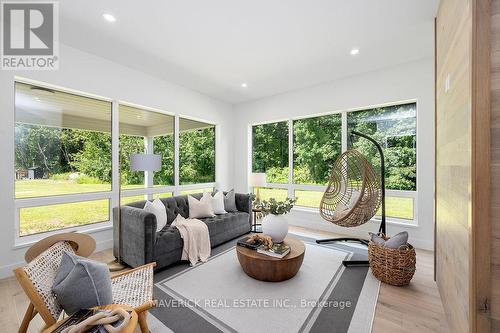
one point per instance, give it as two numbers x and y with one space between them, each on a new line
354 193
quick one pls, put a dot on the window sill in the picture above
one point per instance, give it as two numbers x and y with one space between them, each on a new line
27 241
409 224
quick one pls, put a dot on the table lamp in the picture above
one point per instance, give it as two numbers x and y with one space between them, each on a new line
257 180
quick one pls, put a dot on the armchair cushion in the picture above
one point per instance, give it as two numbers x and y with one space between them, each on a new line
82 283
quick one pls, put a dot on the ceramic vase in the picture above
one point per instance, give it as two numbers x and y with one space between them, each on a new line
275 226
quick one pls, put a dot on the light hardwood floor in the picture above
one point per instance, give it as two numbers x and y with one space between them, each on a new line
415 308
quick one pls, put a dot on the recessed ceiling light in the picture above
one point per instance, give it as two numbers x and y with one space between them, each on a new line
37 99
354 51
109 17
244 85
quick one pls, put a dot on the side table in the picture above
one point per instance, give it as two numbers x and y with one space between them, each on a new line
255 211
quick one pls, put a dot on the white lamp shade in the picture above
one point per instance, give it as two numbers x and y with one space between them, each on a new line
257 179
145 162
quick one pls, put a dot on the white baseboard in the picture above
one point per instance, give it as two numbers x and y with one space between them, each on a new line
104 245
7 270
312 220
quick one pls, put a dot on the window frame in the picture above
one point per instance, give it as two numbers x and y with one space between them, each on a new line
177 141
292 140
115 193
147 191
290 172
291 186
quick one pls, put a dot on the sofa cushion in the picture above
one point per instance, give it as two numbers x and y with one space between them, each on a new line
226 222
168 240
176 206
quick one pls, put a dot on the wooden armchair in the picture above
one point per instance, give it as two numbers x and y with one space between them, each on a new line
133 288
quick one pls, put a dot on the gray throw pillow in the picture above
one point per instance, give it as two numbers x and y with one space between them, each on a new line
397 240
230 201
377 239
81 283
392 243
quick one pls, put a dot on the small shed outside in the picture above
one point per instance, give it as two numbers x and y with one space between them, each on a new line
35 173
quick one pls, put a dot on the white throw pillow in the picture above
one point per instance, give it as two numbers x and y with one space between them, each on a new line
158 208
199 209
218 203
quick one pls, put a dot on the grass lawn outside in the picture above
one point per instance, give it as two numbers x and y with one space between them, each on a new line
397 207
48 187
46 218
276 193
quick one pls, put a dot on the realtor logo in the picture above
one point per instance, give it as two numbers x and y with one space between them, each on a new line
29 35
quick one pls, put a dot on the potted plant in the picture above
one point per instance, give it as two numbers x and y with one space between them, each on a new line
274 223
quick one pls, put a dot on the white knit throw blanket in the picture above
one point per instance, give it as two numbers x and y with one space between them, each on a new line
196 240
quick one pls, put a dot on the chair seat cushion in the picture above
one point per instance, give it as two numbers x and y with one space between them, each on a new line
82 283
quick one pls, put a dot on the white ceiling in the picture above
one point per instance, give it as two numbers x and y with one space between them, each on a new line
212 46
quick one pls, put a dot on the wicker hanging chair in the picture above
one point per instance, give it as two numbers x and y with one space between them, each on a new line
354 191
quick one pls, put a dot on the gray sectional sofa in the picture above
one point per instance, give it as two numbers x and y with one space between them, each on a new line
141 244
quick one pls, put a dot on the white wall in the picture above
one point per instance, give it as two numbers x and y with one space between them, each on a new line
85 72
404 82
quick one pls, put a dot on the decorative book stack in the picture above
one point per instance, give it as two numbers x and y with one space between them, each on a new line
253 245
278 250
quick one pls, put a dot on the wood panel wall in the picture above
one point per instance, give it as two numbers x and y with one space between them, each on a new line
463 162
495 165
453 159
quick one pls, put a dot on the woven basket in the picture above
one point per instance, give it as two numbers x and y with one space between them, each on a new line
392 266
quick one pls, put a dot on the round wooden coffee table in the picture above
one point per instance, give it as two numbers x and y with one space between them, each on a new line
266 268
